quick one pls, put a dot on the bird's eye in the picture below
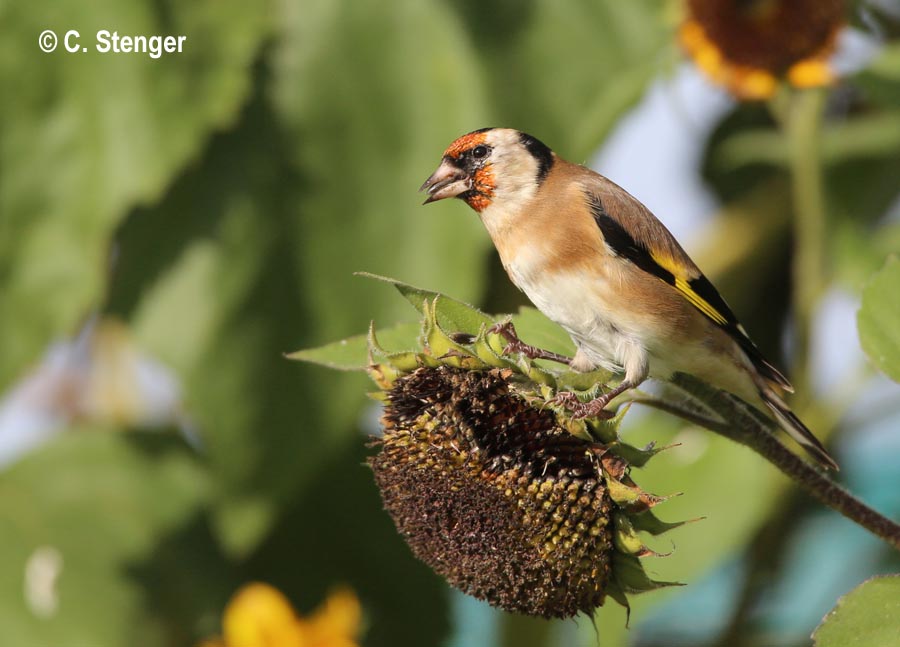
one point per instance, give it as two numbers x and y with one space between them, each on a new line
479 151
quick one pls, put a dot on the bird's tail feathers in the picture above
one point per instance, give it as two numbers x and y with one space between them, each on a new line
796 429
773 375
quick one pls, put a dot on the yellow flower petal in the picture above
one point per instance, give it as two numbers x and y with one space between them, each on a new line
691 36
811 73
260 616
337 621
752 84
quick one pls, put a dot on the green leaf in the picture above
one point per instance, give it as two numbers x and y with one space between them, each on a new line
88 136
881 79
458 317
865 136
441 346
565 72
859 250
371 93
96 504
630 575
869 615
648 522
452 315
879 319
635 456
534 328
351 354
223 311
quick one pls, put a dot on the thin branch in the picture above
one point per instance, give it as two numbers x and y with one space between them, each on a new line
684 413
748 428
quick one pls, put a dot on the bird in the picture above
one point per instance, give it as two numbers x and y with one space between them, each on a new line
598 263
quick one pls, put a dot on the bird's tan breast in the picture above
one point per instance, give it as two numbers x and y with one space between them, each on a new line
552 232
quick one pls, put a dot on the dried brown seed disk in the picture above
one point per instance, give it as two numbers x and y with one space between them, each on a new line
493 494
769 34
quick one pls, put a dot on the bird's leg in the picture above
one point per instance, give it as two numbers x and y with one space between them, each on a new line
596 408
578 408
515 345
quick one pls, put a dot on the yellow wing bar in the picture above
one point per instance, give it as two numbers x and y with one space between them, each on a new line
699 302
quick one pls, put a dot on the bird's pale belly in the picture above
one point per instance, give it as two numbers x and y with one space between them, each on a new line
605 339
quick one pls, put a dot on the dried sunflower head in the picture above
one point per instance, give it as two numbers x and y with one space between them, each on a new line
503 495
493 494
748 45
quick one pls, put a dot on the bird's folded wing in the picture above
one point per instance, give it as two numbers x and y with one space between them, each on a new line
635 234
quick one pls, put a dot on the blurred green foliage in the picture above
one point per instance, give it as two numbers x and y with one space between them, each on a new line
218 202
868 615
878 317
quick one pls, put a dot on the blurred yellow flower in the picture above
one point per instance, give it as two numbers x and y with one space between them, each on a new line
261 616
748 45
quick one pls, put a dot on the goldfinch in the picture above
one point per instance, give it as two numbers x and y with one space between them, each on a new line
595 260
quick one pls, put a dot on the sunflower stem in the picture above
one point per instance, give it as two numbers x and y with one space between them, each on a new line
802 126
748 428
694 417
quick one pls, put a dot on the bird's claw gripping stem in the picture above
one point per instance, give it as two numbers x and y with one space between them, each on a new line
507 330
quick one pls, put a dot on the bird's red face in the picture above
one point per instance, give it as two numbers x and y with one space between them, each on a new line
465 172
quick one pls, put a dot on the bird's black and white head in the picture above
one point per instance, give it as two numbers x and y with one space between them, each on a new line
491 166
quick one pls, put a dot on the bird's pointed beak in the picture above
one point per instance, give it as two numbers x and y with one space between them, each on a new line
448 181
